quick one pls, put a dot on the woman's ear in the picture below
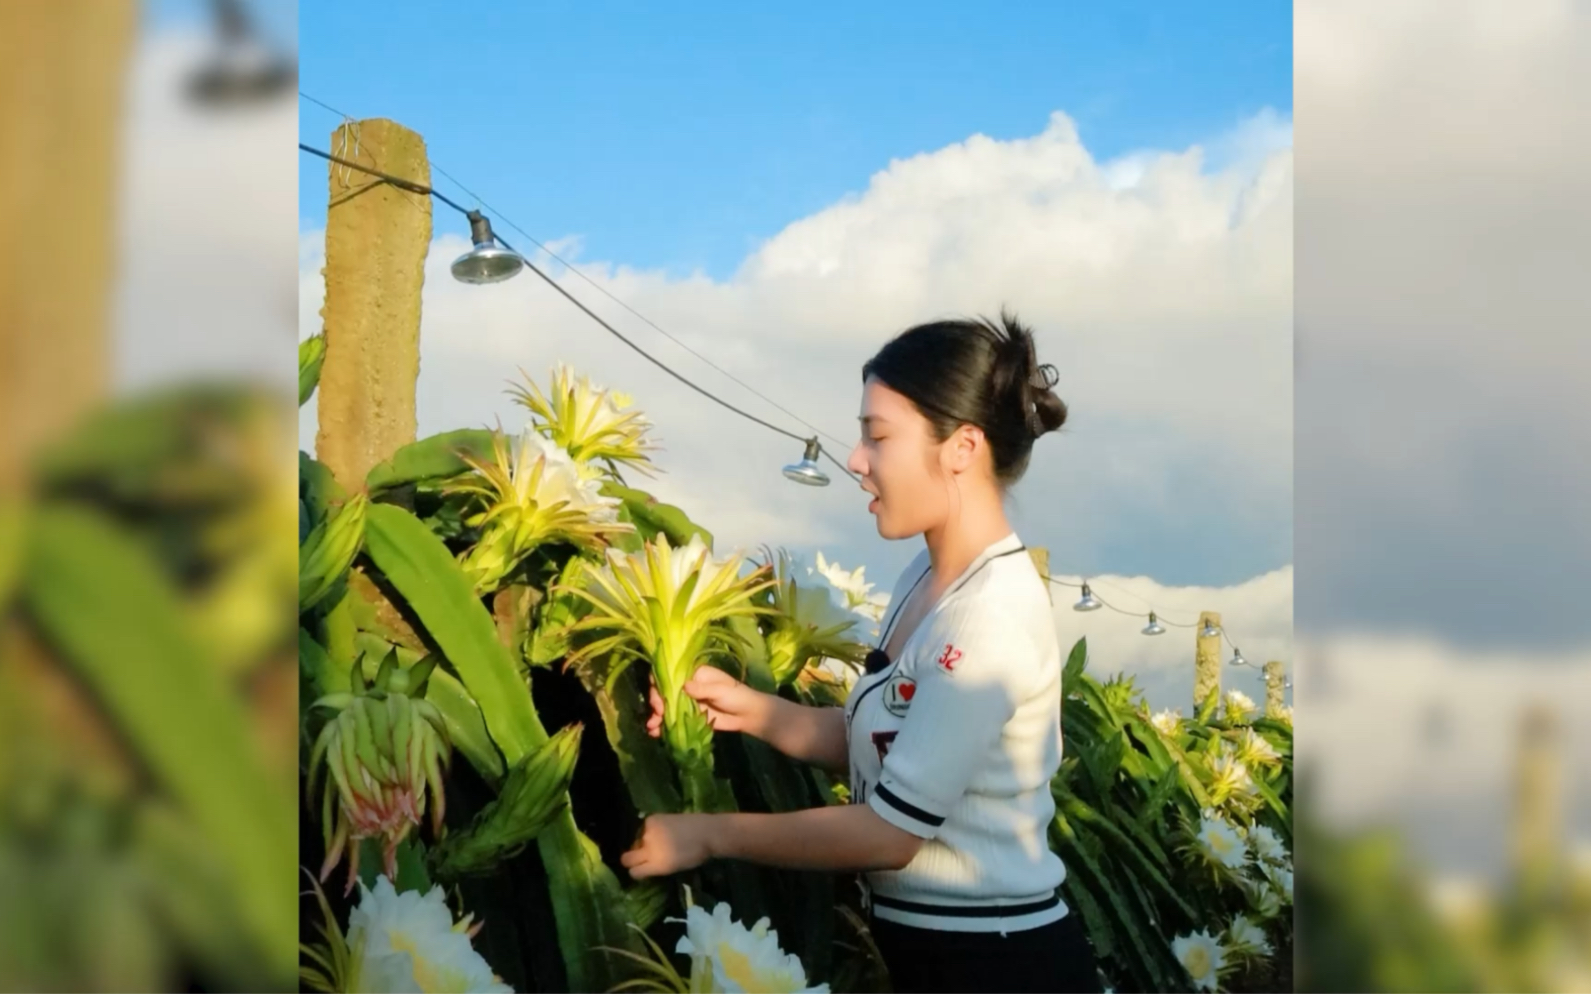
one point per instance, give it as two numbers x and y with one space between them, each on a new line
962 447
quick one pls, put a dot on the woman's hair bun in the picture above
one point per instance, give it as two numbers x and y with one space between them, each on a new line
1041 409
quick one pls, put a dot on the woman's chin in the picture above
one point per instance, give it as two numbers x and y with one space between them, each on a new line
890 533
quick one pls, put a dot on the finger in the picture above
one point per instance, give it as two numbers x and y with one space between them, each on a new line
642 870
633 857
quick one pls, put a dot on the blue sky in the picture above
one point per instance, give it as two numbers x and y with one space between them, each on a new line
685 153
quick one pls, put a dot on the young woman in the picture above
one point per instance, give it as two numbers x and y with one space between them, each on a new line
953 733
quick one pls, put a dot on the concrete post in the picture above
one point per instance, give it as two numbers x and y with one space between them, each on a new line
62 75
377 237
1206 660
1041 560
1538 804
1275 689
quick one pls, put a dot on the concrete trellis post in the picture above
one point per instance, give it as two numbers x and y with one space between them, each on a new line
1041 560
377 237
1206 659
1538 803
1275 689
62 103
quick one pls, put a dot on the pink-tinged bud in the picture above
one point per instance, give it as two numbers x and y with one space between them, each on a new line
380 767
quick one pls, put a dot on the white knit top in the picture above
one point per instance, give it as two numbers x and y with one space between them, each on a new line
956 741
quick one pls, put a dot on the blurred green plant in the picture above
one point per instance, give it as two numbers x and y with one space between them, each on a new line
1378 921
146 788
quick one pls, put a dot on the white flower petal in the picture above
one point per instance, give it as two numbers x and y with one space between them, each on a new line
1202 955
1167 722
408 944
1238 705
739 959
1248 936
1265 843
1221 843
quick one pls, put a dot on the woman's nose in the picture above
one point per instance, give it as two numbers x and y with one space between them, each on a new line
856 463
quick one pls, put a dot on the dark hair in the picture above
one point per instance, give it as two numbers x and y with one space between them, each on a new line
978 373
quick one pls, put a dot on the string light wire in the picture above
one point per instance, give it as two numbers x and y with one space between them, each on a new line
420 188
541 246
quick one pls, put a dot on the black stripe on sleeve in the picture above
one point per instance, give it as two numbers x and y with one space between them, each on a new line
909 810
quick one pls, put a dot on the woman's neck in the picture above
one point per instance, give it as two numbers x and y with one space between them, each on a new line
961 538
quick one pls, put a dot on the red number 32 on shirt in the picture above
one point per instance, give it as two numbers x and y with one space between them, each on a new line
948 660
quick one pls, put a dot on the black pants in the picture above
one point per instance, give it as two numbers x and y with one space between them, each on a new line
1053 957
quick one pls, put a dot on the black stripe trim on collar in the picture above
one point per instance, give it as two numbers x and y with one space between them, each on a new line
909 810
968 578
889 628
900 608
965 911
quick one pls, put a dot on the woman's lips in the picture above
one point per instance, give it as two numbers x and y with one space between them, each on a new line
873 505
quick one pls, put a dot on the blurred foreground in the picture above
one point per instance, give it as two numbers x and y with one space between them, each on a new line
1377 913
147 679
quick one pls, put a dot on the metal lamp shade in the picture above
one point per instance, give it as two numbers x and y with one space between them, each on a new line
487 262
806 471
1087 602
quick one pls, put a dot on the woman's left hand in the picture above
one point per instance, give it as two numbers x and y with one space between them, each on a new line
670 844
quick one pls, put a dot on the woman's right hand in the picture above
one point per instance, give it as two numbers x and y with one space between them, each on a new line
730 706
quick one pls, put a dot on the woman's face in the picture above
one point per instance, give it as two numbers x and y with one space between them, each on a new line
900 464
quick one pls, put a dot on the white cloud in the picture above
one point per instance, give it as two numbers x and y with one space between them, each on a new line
205 214
1166 305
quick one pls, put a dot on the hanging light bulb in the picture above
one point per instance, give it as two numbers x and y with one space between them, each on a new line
487 262
1237 658
1087 602
244 67
1209 631
1154 627
806 471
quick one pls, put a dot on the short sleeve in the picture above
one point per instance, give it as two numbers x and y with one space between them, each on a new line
970 679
